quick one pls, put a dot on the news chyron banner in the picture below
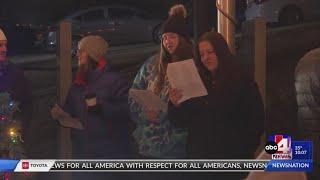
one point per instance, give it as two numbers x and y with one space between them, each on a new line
130 165
288 155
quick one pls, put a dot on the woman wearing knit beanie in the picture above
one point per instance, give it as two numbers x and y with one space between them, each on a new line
154 135
98 98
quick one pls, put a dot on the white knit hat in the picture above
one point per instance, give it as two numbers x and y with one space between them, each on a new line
95 46
2 36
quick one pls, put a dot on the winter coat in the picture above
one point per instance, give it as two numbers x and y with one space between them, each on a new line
155 139
106 131
307 84
225 124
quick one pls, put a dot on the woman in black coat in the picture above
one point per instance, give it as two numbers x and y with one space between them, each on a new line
228 122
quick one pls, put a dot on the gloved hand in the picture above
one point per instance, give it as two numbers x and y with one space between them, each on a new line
92 105
58 113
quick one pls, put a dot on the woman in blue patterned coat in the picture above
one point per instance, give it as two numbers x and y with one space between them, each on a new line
154 134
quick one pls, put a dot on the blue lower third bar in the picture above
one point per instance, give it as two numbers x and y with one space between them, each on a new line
290 165
8 165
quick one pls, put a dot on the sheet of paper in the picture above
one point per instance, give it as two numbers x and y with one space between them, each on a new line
71 123
148 100
184 75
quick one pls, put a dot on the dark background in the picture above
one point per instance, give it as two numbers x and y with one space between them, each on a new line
49 11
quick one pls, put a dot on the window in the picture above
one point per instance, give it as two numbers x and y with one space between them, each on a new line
95 15
142 15
120 13
78 18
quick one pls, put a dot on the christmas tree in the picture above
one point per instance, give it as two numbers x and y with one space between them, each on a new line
11 142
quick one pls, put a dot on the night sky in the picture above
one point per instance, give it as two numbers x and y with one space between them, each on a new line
50 11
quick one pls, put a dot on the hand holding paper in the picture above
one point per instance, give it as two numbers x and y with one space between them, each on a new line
148 100
151 115
57 112
175 95
183 75
71 123
65 119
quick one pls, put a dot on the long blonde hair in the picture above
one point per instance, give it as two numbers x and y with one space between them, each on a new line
184 51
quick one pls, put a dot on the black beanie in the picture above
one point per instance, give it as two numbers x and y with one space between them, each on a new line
176 22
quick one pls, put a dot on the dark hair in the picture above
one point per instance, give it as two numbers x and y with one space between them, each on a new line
184 51
229 71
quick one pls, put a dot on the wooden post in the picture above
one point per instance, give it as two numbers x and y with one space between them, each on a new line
260 66
225 26
64 82
260 56
252 52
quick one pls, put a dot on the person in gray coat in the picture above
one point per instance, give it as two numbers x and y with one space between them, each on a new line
307 85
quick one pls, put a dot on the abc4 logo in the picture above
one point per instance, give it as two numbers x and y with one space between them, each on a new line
283 146
271 147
